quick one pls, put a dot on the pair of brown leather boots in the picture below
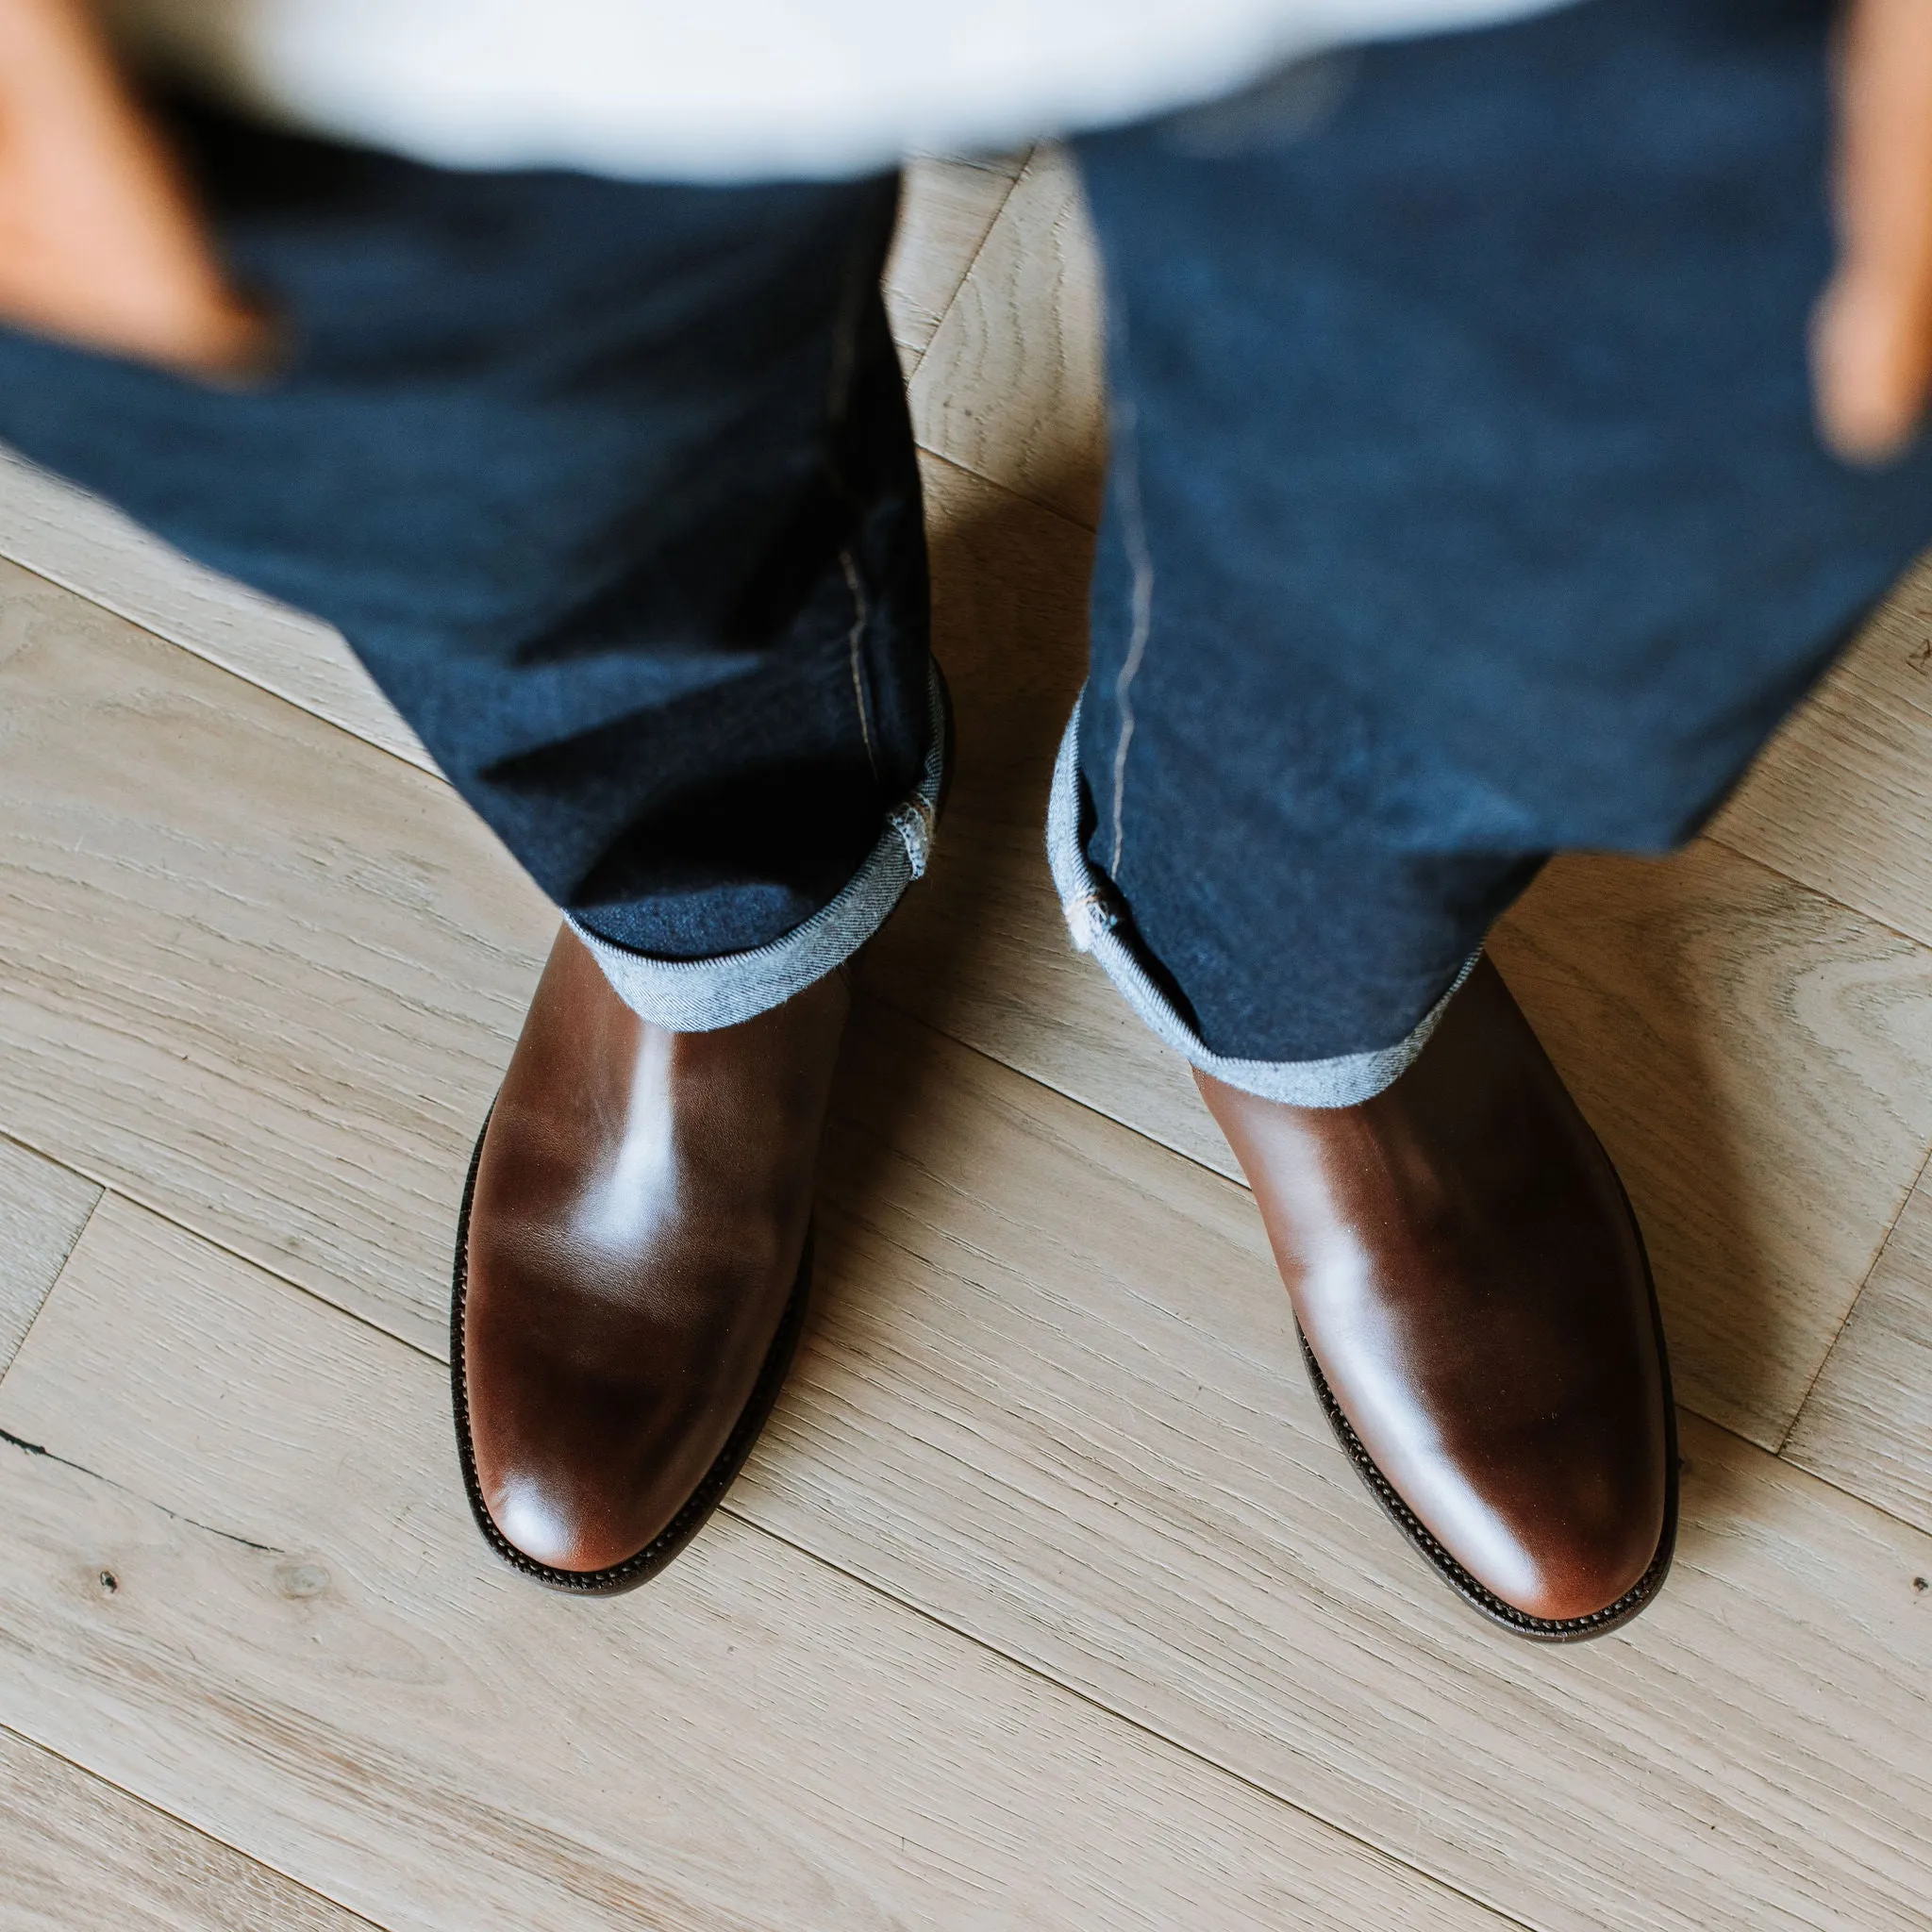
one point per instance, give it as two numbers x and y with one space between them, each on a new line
1471 1287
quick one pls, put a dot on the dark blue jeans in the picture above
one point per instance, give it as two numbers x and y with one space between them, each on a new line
1465 506
611 488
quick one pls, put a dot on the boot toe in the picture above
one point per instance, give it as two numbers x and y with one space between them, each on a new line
582 1476
557 1524
1551 1537
535 1518
1563 1565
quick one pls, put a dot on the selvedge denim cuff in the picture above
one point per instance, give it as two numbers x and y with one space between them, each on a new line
1089 903
700 995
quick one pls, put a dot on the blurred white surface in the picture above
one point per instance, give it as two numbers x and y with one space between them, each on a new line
738 89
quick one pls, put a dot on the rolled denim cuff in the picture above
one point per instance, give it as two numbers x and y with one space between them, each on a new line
1091 908
700 995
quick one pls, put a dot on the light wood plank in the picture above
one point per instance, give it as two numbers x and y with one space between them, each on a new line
1053 1393
78 1853
946 210
1051 1384
1759 1061
77 539
43 1207
1867 1424
1839 799
1013 384
251 968
361 1694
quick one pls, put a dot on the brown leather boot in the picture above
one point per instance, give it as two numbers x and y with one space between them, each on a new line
1477 1316
631 1270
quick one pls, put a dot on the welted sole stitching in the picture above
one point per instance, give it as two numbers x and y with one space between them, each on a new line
1477 1595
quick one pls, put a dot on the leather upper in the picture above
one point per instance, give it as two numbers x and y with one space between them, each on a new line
1469 1279
636 1232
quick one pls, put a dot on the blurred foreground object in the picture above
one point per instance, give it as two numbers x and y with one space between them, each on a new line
98 243
1872 351
738 91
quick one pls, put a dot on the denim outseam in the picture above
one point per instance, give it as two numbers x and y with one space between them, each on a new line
1471 425
1094 922
1141 560
855 645
700 995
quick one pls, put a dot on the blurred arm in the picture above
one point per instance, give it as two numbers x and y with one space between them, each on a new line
99 242
1872 344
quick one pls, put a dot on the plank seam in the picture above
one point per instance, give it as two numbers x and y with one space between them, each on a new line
1838 1334
146 1803
1922 941
100 1195
147 627
739 1513
1134 1724
1012 181
944 456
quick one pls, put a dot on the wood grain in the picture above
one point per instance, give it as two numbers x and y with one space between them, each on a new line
1867 1424
360 1693
1840 800
77 540
1012 386
1758 1062
1053 1396
231 1089
43 1207
79 1853
251 969
946 210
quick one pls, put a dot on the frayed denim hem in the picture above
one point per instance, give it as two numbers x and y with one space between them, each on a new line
1089 903
701 995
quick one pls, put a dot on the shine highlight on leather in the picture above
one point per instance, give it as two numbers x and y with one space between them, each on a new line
1479 1318
632 1269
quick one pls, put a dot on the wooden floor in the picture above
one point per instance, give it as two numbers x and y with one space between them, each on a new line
1047 1601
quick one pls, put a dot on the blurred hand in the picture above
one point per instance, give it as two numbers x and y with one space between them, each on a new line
99 242
1871 336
